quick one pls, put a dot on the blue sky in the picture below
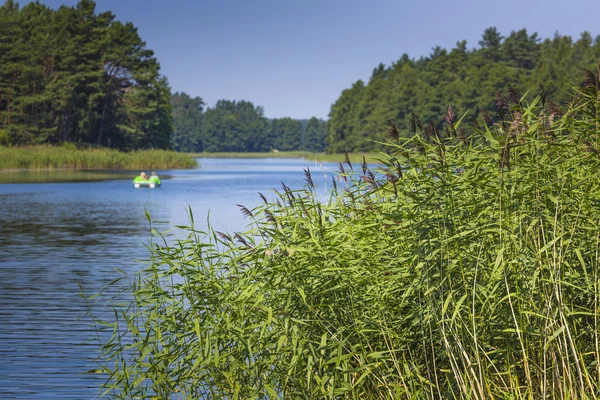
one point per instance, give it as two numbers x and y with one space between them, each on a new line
294 57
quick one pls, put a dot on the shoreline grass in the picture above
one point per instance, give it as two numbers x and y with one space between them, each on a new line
371 157
70 157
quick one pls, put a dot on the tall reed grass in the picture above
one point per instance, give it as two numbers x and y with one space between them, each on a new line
45 156
466 268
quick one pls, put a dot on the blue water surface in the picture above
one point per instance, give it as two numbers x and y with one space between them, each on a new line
59 240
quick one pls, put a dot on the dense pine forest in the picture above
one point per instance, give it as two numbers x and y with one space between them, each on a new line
468 80
75 75
72 74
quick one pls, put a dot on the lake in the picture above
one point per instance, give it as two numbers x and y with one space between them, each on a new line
59 238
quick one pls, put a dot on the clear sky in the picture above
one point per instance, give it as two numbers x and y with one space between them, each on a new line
294 57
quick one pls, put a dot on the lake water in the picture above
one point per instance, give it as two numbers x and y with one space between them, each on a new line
56 238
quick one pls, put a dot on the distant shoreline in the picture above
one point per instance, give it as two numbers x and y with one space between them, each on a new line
70 157
372 158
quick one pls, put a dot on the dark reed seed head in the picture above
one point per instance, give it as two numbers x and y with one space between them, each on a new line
449 117
262 196
432 131
486 117
399 169
501 103
288 192
393 131
308 177
372 179
364 165
247 213
242 240
225 237
463 136
413 123
334 183
513 96
516 126
341 166
419 123
543 95
589 79
390 176
347 160
270 216
291 199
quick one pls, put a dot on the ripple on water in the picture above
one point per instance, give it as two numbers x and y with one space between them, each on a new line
59 238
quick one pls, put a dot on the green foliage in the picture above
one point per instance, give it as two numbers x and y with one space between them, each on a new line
315 135
70 156
240 126
343 119
73 75
465 79
234 126
285 134
187 122
466 268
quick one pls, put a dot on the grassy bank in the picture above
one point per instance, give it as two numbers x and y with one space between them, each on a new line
45 157
469 270
354 157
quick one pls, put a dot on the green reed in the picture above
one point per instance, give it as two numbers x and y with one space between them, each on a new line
46 157
466 268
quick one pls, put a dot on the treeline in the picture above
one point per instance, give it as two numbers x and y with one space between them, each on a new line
240 126
465 79
74 75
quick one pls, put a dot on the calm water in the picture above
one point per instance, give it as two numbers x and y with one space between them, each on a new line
58 237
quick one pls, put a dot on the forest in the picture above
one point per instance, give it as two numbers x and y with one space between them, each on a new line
240 126
471 81
75 75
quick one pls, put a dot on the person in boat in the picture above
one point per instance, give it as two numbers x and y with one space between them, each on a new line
154 177
144 176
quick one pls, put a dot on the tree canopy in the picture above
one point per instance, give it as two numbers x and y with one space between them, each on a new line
468 80
240 126
72 74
